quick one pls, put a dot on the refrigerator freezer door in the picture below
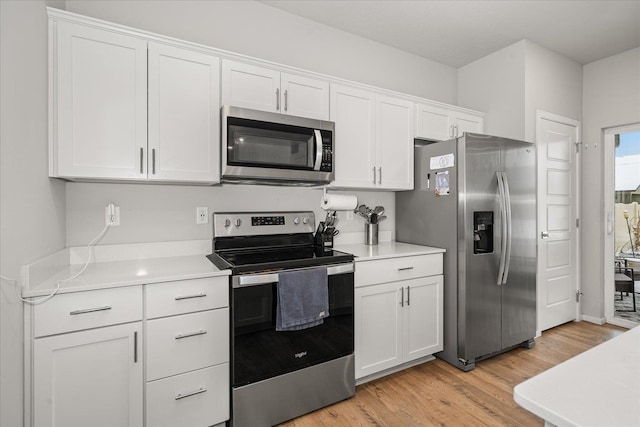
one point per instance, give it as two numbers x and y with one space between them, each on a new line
479 295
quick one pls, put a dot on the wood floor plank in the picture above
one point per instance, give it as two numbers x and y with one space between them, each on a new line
438 394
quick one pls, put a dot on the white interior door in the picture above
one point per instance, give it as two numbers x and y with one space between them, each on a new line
557 283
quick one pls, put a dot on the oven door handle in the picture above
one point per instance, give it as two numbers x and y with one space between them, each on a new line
263 279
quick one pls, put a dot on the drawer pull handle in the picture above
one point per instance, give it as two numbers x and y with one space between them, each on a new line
179 297
191 393
90 310
405 268
193 334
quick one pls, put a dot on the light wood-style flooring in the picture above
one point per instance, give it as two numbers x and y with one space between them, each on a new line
436 393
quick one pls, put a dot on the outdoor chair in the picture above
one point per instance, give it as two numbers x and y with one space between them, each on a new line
624 280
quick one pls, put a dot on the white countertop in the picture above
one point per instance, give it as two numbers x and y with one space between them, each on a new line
600 387
118 265
385 250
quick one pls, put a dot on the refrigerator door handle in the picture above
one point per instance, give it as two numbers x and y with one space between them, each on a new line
507 256
503 223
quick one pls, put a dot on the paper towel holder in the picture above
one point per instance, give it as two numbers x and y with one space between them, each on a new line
331 202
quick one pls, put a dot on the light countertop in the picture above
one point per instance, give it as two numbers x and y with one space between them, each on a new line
600 387
385 250
118 265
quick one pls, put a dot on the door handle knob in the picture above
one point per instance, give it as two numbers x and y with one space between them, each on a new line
544 234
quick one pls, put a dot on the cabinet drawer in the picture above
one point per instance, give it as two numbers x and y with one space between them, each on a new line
394 269
90 309
188 342
199 398
186 296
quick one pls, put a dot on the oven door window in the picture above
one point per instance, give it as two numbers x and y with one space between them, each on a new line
259 352
252 143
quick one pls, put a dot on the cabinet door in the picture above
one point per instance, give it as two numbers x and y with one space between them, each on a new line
353 111
394 133
423 317
304 97
99 104
464 122
433 122
378 328
90 378
184 115
249 86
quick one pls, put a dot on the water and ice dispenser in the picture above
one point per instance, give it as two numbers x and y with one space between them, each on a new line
483 232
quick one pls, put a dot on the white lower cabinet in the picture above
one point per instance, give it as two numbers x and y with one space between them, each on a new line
401 320
198 398
89 378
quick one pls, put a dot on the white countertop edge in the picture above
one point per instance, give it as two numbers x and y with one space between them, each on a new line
544 413
385 250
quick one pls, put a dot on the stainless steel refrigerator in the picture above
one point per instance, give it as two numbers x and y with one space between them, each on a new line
475 196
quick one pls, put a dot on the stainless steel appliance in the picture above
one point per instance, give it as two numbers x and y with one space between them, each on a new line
279 375
272 148
475 196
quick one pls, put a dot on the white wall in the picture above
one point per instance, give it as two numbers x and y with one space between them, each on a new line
32 212
495 85
553 83
258 30
511 84
611 97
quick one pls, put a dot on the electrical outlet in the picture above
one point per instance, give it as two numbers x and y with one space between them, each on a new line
202 215
112 215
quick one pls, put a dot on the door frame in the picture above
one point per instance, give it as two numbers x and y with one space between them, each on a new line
576 176
609 168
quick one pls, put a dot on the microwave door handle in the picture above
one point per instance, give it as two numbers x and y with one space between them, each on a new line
318 140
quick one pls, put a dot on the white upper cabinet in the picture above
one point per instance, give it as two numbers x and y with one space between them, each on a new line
98 95
374 140
353 111
440 122
99 115
395 133
184 115
260 88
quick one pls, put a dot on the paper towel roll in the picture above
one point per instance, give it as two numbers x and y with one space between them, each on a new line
339 202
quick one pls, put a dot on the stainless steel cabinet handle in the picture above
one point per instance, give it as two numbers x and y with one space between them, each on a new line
544 235
405 268
408 295
135 347
285 100
180 297
402 297
191 393
374 175
153 161
90 310
192 334
380 175
277 99
455 127
141 159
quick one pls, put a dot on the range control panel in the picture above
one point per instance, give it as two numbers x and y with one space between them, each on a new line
231 224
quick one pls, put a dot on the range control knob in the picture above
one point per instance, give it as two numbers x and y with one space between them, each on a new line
227 222
296 220
305 220
237 222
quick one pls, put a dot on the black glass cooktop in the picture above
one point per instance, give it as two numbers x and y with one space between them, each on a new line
256 260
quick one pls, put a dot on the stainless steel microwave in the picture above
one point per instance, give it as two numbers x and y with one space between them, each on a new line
271 148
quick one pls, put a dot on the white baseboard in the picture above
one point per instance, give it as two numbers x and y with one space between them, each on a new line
596 320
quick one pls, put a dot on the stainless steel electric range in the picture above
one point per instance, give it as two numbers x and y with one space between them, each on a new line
278 374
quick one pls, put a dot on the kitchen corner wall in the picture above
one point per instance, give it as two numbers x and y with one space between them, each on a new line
32 212
511 84
165 212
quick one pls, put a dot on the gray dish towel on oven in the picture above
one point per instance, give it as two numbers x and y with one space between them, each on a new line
303 299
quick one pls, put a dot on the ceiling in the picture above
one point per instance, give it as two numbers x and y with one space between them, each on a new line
458 32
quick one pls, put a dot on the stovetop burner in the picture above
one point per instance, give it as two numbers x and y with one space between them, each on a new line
260 242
